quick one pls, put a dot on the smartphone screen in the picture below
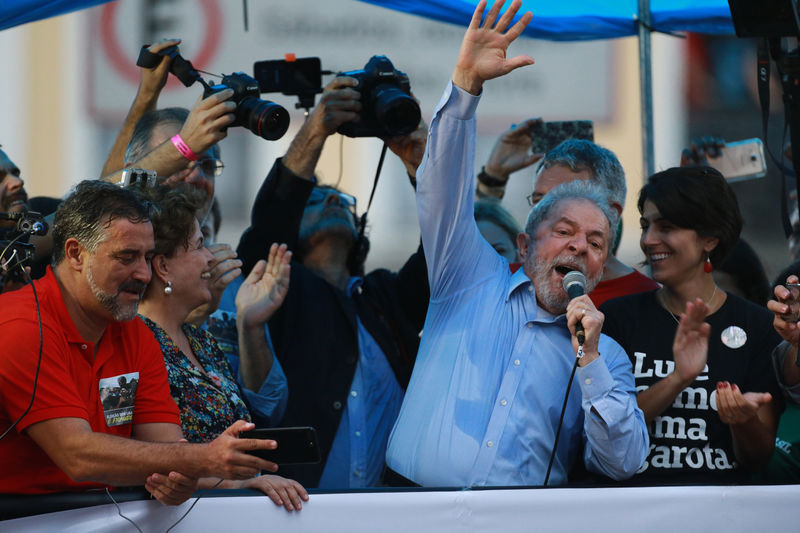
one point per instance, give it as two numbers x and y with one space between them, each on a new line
296 445
547 135
302 76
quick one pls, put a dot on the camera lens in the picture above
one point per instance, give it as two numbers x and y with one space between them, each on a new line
396 111
264 118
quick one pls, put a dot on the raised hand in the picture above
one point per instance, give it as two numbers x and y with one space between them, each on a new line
483 51
512 151
690 346
264 290
339 103
207 122
154 79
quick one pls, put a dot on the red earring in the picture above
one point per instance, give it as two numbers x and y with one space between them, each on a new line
707 266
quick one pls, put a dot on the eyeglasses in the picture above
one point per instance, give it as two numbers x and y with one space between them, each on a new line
318 195
533 199
210 166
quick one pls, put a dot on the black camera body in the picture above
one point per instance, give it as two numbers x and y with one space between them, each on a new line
263 117
387 107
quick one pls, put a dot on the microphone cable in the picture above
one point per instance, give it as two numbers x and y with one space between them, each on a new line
563 410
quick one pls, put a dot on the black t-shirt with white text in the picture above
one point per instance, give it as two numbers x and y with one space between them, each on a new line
688 441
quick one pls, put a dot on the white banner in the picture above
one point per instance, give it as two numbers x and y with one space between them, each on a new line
617 510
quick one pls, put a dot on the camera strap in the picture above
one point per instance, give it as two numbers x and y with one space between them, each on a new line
372 194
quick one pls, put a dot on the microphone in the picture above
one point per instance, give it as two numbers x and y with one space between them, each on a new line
575 285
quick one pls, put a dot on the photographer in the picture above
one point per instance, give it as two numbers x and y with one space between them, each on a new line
346 340
178 144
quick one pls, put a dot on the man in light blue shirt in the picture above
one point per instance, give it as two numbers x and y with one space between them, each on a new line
485 396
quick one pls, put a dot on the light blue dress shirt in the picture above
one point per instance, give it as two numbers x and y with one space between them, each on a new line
485 396
268 404
357 455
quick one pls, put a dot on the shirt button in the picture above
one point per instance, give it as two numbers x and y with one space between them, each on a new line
358 433
529 325
357 473
353 393
588 381
337 405
516 362
490 444
503 403
530 288
83 346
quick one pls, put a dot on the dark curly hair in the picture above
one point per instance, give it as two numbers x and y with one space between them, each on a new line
697 198
174 218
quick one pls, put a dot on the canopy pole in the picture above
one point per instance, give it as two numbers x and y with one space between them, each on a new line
646 87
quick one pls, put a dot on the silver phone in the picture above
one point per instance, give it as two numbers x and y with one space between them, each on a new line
741 160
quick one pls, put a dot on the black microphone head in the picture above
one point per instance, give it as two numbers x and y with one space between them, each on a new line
574 283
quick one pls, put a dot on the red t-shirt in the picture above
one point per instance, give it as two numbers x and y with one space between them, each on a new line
632 283
123 384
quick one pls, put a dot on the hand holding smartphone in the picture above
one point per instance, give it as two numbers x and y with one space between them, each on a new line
296 445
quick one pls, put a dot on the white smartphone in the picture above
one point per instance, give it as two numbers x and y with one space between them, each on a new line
741 160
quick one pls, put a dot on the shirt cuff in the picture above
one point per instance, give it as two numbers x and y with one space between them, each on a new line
595 381
458 103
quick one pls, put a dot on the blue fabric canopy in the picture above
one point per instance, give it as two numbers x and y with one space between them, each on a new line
16 12
568 20
576 20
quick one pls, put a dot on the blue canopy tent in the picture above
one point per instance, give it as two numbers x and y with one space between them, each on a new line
578 20
557 21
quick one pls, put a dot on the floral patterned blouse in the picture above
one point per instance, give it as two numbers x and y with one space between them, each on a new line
209 402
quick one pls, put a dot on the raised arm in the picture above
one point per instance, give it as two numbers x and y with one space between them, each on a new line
152 82
260 295
511 152
455 252
205 126
483 51
690 352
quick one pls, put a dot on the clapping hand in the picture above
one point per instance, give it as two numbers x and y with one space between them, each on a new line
264 290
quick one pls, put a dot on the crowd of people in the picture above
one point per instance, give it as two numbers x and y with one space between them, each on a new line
144 349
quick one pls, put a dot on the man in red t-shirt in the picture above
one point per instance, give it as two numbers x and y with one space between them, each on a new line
84 399
571 160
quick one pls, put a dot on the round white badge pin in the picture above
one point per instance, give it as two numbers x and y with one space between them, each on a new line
733 337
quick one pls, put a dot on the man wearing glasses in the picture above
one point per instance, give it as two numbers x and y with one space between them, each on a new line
346 340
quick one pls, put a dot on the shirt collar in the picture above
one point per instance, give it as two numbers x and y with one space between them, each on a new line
520 279
354 285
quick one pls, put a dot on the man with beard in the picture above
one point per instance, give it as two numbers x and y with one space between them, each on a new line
484 400
71 337
13 198
346 339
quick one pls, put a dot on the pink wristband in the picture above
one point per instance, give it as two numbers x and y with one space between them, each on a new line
183 148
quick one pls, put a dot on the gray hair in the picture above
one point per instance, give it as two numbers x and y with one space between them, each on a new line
492 211
574 190
139 145
87 212
585 155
